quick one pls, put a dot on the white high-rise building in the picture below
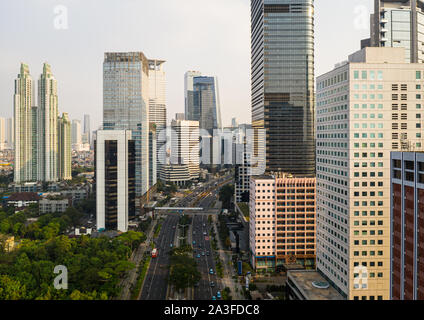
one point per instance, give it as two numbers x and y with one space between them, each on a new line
87 128
64 147
184 158
47 126
23 101
76 132
157 111
126 105
2 134
366 107
115 179
10 133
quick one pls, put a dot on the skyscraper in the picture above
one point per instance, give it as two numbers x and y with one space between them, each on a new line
2 133
10 133
157 111
64 148
76 132
283 83
87 128
36 128
23 101
206 104
115 179
47 126
188 95
366 108
126 105
399 23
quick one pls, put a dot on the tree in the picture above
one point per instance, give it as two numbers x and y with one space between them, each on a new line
11 289
225 195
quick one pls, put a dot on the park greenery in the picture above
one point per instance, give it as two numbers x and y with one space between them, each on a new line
95 265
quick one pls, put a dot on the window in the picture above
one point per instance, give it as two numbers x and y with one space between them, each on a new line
356 75
364 75
418 75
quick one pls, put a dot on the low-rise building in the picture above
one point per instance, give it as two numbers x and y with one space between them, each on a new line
53 205
309 285
22 199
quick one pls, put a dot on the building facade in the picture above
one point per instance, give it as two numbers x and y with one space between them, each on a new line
23 102
157 111
399 23
282 42
115 179
206 104
190 113
282 225
366 108
47 146
64 148
407 225
126 105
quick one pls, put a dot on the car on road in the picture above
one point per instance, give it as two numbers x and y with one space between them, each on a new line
207 253
196 285
218 295
211 271
198 256
204 233
203 254
213 298
173 227
212 284
194 243
171 245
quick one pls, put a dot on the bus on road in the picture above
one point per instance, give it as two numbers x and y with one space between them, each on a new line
154 253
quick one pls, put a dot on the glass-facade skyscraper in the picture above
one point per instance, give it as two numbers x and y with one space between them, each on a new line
282 44
126 105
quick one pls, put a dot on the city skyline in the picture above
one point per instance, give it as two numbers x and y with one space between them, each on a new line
227 38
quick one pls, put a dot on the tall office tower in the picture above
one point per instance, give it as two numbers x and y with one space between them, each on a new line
153 163
10 133
407 225
23 101
366 108
2 134
282 221
185 145
47 115
87 128
76 132
183 164
115 159
188 95
242 162
206 104
126 105
157 109
398 23
64 147
283 84
234 123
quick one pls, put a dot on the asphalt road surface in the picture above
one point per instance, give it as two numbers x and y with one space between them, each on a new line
206 262
156 283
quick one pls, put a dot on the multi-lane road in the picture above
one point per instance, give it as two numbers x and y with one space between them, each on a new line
156 283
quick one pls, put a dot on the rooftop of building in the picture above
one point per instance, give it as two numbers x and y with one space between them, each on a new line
24 196
313 285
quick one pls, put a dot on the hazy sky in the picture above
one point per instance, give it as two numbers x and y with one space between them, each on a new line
209 36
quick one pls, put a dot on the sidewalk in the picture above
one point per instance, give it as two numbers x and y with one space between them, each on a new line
229 272
131 279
